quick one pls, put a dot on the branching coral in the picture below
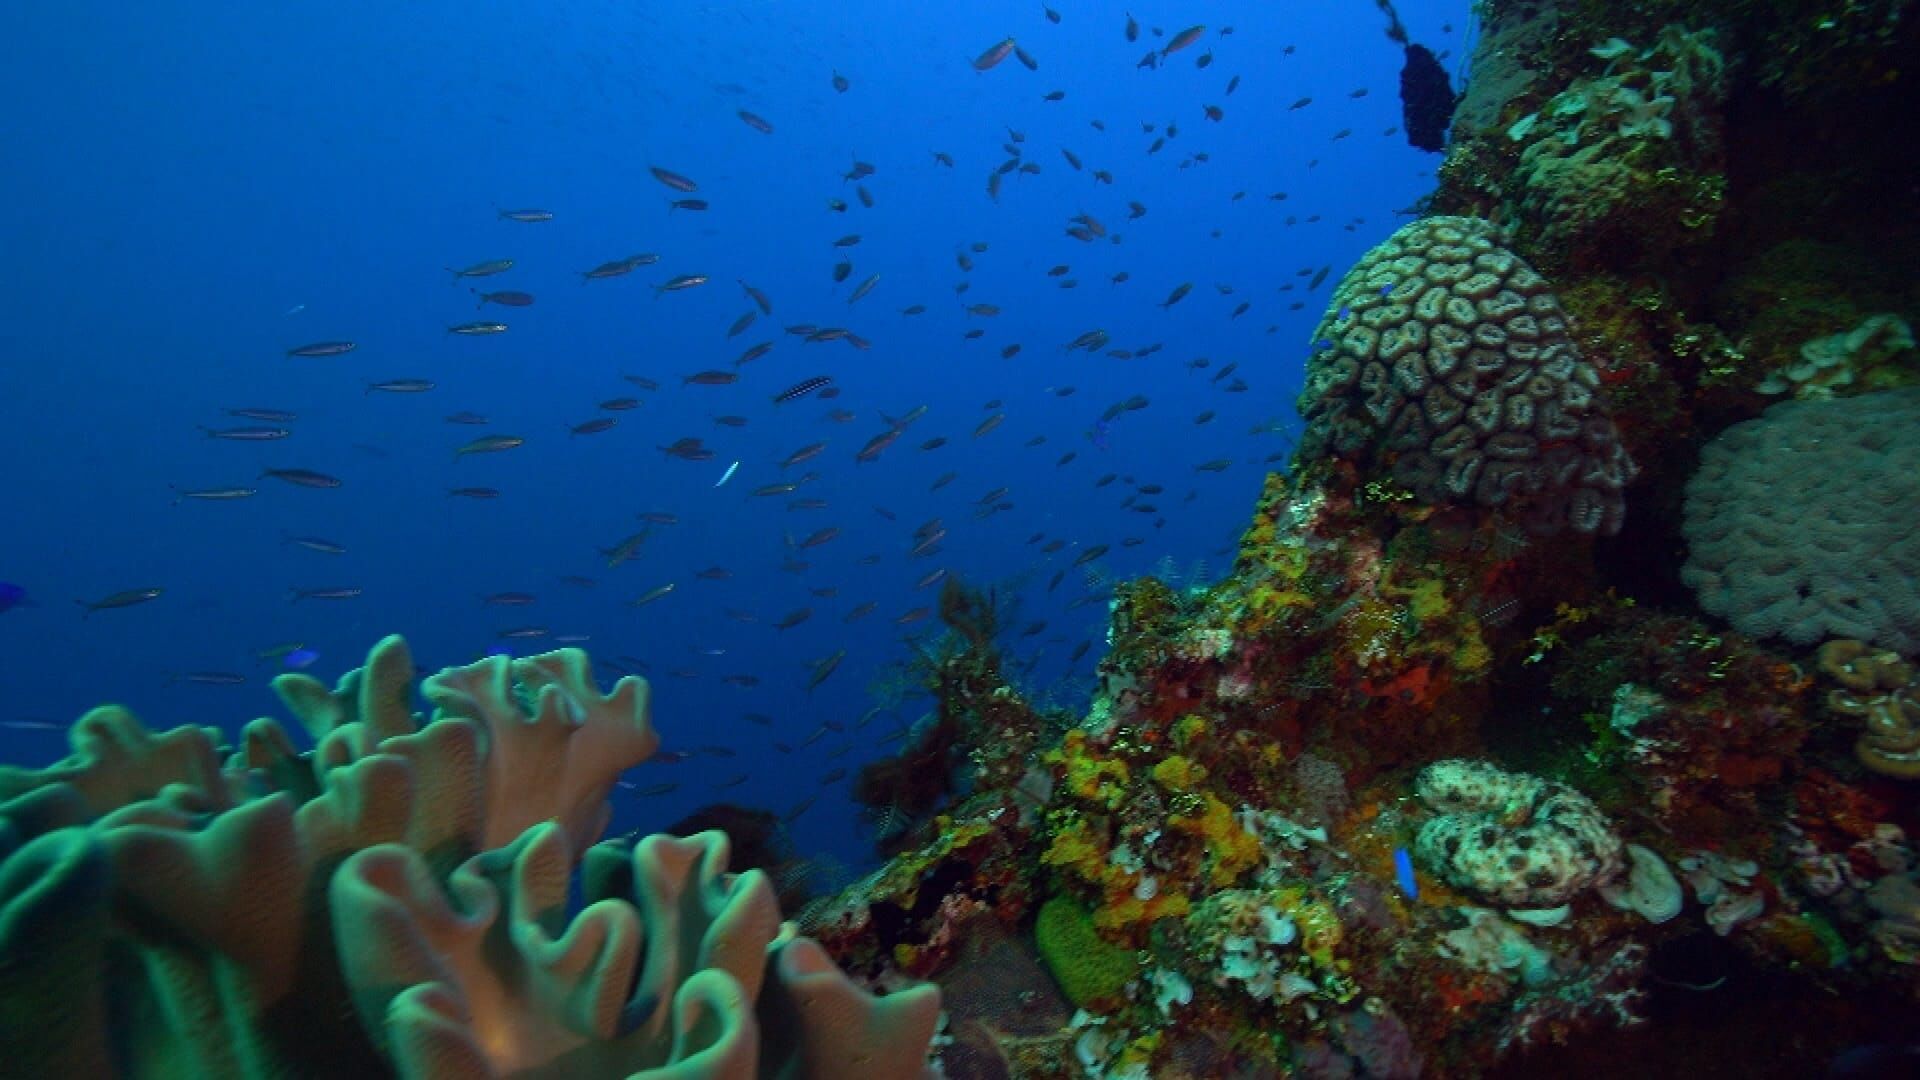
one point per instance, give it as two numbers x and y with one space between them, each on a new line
354 911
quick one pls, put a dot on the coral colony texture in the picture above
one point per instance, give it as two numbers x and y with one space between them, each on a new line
1566 679
1801 523
395 902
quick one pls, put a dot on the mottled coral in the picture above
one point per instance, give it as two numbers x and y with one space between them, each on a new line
1800 523
1446 358
347 911
1512 838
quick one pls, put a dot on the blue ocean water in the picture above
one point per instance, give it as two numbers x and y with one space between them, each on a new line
191 190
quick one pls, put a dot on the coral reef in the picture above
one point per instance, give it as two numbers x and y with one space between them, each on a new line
1413 790
394 901
1799 524
1445 357
1416 790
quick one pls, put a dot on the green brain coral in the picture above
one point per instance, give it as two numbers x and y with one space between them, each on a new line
1088 968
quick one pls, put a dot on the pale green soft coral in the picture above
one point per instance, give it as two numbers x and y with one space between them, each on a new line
394 902
1636 95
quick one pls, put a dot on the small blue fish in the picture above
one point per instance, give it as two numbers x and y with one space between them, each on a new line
1323 343
12 596
1403 870
1345 314
1385 289
300 659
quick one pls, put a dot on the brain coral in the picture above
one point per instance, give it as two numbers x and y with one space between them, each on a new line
1446 358
1801 524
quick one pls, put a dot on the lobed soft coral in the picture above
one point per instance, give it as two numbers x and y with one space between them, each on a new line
353 910
1883 690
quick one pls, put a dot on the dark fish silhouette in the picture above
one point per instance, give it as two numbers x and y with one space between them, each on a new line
1426 95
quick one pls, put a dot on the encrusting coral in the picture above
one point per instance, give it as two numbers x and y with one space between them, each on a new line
394 902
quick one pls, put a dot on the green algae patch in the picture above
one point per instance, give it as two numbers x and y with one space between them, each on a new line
1090 970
